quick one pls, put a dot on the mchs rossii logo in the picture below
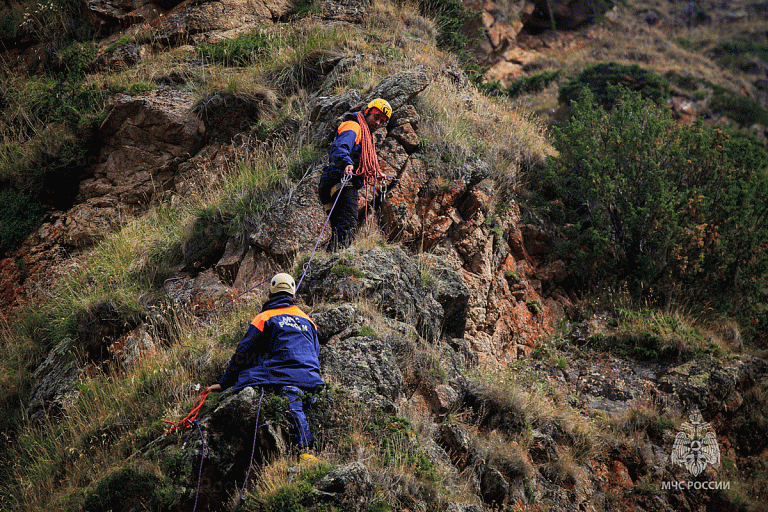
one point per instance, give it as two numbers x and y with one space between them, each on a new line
695 448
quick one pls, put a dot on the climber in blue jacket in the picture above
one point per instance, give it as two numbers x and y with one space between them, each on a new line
279 351
345 159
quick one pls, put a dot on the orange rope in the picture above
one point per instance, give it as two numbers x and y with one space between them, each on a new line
369 162
187 422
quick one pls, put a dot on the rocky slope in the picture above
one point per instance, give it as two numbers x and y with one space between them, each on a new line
463 284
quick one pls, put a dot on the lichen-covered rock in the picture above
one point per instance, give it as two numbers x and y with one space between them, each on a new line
337 323
389 278
293 222
218 449
450 292
348 485
55 387
197 22
365 367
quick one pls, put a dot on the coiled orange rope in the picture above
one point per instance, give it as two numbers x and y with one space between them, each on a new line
369 163
187 422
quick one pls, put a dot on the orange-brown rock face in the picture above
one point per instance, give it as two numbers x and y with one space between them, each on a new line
515 294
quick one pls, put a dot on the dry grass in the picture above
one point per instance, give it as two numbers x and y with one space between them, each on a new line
119 412
512 391
677 321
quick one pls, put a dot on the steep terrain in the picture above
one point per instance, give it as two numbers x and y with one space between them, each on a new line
467 371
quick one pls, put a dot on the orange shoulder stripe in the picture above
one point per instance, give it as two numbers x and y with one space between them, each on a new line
353 126
262 317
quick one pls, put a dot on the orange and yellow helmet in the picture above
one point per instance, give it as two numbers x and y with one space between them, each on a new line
383 105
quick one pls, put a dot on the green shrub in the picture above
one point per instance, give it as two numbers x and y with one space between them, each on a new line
301 9
343 270
534 83
730 53
743 110
687 82
599 78
241 51
125 487
20 215
649 201
368 332
287 498
140 88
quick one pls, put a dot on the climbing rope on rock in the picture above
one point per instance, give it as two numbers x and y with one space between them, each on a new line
190 418
306 266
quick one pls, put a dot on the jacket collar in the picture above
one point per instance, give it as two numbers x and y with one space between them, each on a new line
278 302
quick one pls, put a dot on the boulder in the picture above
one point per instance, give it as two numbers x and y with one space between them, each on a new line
458 444
350 11
494 487
195 22
326 112
89 222
224 440
55 384
134 345
349 485
365 367
292 222
145 139
337 323
451 293
388 278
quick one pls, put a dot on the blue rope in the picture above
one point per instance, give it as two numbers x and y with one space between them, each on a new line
200 470
253 452
344 181
306 265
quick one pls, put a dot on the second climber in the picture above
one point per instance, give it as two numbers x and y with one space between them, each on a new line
353 156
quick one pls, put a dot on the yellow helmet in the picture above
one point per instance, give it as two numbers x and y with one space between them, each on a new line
282 283
383 105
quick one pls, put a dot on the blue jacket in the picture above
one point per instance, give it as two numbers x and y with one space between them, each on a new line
280 347
344 151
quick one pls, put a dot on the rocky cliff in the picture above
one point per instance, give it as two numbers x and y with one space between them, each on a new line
447 319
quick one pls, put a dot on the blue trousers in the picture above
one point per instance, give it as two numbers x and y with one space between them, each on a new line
301 435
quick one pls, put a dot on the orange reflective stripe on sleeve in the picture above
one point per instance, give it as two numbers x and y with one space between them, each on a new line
352 126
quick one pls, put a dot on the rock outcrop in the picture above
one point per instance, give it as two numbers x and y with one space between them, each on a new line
145 139
55 387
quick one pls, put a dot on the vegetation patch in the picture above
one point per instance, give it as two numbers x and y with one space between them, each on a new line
648 201
745 111
240 51
731 54
534 83
20 215
601 80
126 488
